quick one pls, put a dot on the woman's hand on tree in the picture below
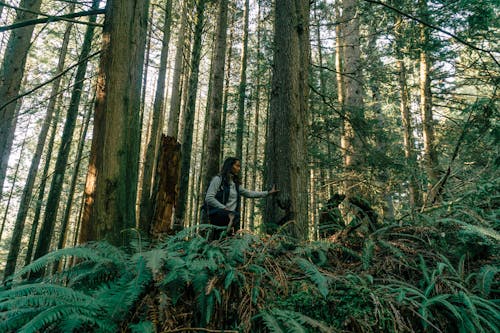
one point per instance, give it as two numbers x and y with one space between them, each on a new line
273 190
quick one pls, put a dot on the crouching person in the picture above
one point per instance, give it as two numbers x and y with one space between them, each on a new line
222 201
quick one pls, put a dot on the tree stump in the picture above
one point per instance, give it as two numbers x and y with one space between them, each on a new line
166 188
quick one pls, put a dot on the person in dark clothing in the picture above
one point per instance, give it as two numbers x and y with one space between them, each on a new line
222 201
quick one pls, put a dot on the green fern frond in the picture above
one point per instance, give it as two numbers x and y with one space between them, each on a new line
314 275
479 230
270 322
367 254
27 293
492 324
424 270
11 320
486 278
392 249
469 304
122 293
302 319
54 315
442 300
154 259
78 322
83 253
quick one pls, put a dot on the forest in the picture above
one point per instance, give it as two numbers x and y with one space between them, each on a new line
377 122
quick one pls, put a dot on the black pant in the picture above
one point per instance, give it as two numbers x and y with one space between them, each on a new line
220 218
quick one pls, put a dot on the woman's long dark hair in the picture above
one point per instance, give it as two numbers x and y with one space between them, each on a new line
225 172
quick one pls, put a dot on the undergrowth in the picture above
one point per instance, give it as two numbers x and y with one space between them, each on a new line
438 272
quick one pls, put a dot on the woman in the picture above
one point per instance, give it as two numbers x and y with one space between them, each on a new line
223 197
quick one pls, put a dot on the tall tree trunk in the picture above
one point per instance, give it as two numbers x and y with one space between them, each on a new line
187 136
146 211
14 181
47 228
113 170
216 94
35 162
286 152
226 88
353 103
12 73
43 183
243 85
74 178
430 155
61 243
175 97
374 65
251 208
404 108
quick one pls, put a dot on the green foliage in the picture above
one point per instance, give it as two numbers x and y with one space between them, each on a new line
416 275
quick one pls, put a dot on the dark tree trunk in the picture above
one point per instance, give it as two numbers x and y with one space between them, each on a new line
286 153
112 177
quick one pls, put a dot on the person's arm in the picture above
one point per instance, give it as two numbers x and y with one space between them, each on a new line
253 194
257 194
212 191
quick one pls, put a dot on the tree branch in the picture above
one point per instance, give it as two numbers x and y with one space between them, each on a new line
458 39
48 18
48 81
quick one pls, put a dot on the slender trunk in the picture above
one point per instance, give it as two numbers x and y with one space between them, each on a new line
13 187
353 102
226 90
404 108
11 75
216 93
175 97
74 179
43 183
430 156
47 229
35 162
146 211
243 84
251 208
190 112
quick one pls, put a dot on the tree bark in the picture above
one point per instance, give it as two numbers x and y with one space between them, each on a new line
146 209
404 108
175 97
113 170
13 66
240 125
166 187
187 136
430 155
353 102
216 93
253 183
286 152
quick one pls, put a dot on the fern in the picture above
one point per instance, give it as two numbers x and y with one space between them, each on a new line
314 274
270 322
154 259
486 279
368 251
54 314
